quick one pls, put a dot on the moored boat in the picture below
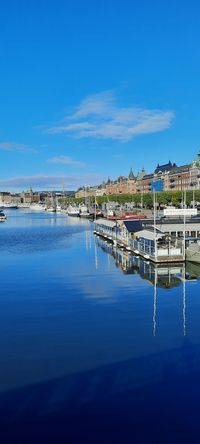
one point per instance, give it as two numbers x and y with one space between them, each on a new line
8 206
84 212
73 211
192 253
37 207
2 216
51 210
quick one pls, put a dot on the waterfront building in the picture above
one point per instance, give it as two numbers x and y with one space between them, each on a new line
118 186
166 177
131 183
29 197
160 174
10 198
123 185
86 192
144 184
178 179
195 173
140 182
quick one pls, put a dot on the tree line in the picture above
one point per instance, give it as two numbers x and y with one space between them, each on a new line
163 198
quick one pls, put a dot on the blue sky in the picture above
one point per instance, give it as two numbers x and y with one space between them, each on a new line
90 88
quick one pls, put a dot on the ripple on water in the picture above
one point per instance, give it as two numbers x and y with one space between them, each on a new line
32 239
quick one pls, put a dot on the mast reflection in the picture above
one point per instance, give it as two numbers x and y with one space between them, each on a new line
154 303
160 276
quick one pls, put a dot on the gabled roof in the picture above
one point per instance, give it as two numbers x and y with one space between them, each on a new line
165 167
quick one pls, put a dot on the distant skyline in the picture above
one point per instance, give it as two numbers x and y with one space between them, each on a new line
90 89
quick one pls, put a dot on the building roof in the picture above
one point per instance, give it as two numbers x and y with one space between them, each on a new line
180 169
122 179
196 161
131 175
133 226
106 223
147 176
146 234
165 167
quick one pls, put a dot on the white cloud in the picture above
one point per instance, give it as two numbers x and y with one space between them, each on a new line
99 116
43 181
66 160
19 147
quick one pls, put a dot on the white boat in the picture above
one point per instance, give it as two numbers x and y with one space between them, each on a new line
51 204
51 209
110 214
73 211
2 216
8 206
23 205
36 207
192 253
84 212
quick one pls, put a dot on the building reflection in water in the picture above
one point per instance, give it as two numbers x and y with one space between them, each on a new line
184 302
159 276
154 303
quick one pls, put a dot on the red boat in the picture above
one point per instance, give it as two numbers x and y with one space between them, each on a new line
130 215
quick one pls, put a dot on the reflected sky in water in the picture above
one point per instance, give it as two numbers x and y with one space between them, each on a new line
89 331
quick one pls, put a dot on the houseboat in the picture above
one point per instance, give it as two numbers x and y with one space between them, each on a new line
149 242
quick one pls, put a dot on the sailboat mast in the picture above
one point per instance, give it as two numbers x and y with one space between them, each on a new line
95 207
154 216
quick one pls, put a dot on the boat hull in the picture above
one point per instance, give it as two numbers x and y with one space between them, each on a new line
73 214
192 256
85 215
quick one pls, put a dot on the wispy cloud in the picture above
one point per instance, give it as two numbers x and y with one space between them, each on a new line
43 181
19 147
100 116
66 160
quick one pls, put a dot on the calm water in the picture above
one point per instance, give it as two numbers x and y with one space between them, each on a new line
96 346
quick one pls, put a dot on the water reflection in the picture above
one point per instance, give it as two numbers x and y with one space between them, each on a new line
26 232
163 277
72 362
154 303
160 276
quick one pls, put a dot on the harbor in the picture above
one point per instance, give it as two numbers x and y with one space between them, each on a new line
86 313
100 222
163 240
173 236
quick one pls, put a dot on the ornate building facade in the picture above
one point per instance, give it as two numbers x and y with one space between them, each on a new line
166 177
